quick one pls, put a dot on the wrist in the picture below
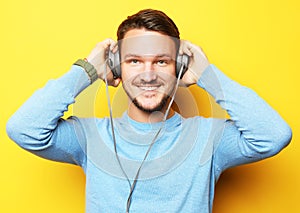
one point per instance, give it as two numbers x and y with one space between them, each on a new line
89 69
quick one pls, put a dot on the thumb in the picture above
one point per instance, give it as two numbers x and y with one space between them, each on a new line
116 82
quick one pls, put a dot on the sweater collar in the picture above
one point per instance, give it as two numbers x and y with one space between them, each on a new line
134 131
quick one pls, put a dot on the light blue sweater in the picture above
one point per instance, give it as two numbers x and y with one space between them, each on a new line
185 162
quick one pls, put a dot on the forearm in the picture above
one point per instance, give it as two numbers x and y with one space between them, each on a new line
32 125
263 130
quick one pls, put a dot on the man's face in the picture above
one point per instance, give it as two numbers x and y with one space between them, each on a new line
148 68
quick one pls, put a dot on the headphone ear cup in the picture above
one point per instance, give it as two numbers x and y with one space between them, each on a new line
114 64
182 60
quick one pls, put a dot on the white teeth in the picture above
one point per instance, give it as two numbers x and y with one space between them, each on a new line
148 88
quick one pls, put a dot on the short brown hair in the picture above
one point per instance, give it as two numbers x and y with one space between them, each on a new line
153 20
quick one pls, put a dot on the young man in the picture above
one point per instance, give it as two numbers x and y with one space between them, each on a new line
151 159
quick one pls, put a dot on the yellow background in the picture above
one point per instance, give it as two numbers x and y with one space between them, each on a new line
254 42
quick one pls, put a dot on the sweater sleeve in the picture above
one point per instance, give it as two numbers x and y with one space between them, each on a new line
37 125
254 130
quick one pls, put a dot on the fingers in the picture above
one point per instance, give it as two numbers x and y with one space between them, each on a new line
197 64
110 44
107 76
190 49
114 47
115 82
111 81
107 43
185 48
98 55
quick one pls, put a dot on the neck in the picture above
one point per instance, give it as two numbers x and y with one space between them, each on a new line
147 117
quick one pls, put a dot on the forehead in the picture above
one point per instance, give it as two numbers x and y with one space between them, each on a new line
142 42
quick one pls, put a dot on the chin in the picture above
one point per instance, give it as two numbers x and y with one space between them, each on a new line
151 108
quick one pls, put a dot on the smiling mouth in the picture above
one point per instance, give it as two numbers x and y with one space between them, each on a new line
149 88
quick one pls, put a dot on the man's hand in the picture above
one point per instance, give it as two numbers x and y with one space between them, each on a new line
198 62
97 58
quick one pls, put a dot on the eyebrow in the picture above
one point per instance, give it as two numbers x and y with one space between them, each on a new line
140 56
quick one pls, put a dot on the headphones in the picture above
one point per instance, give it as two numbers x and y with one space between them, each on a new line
114 63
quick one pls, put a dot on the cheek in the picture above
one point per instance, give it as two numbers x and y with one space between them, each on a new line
168 70
126 72
129 72
168 74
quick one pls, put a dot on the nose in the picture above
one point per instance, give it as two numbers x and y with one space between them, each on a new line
149 66
149 73
148 76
